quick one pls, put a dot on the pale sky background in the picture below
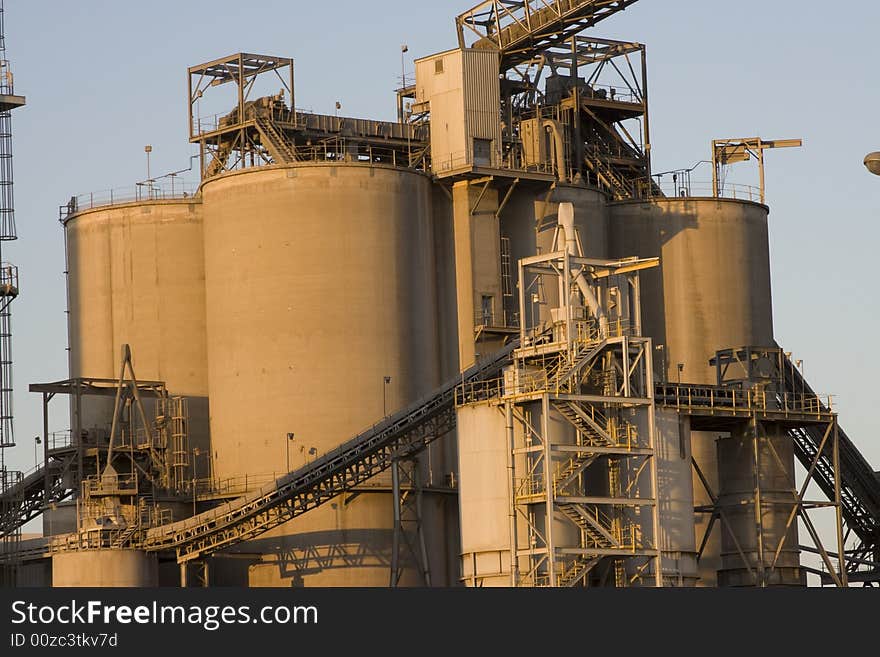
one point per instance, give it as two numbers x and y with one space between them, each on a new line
104 78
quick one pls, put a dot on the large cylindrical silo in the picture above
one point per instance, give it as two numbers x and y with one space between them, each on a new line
321 311
712 292
136 276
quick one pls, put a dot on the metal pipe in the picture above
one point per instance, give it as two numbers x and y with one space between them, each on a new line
115 422
566 222
558 147
514 568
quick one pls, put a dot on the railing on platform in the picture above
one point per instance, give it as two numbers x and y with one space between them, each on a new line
713 398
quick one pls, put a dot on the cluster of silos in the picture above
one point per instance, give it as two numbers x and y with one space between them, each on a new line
309 300
302 299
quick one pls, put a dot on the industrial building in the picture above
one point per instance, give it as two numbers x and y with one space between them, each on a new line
483 345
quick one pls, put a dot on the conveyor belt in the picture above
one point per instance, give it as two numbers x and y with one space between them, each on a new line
401 435
518 28
25 500
860 487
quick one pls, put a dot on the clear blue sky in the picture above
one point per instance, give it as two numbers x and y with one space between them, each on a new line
105 77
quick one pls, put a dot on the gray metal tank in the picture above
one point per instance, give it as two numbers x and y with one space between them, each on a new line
136 275
320 283
712 292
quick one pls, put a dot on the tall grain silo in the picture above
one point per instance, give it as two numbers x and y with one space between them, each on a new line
712 293
322 317
136 276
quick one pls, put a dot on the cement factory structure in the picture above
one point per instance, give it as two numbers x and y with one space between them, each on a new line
483 345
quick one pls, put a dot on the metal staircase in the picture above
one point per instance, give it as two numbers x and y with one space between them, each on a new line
567 369
598 536
609 179
578 570
575 466
279 147
591 427
595 535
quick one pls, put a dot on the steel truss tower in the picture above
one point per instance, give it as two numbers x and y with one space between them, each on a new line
579 416
8 292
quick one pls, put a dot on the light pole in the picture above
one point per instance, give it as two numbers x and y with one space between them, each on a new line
386 381
290 437
195 452
403 50
872 162
149 149
37 441
680 370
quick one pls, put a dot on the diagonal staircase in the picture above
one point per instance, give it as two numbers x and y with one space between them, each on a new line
609 178
575 466
279 147
598 536
590 427
579 569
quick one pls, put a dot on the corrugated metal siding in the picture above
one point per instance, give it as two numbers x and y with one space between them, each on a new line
465 104
482 95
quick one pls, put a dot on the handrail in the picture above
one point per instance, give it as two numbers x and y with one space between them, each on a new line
148 190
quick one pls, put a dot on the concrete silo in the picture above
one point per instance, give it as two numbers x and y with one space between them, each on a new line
136 276
321 314
711 293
